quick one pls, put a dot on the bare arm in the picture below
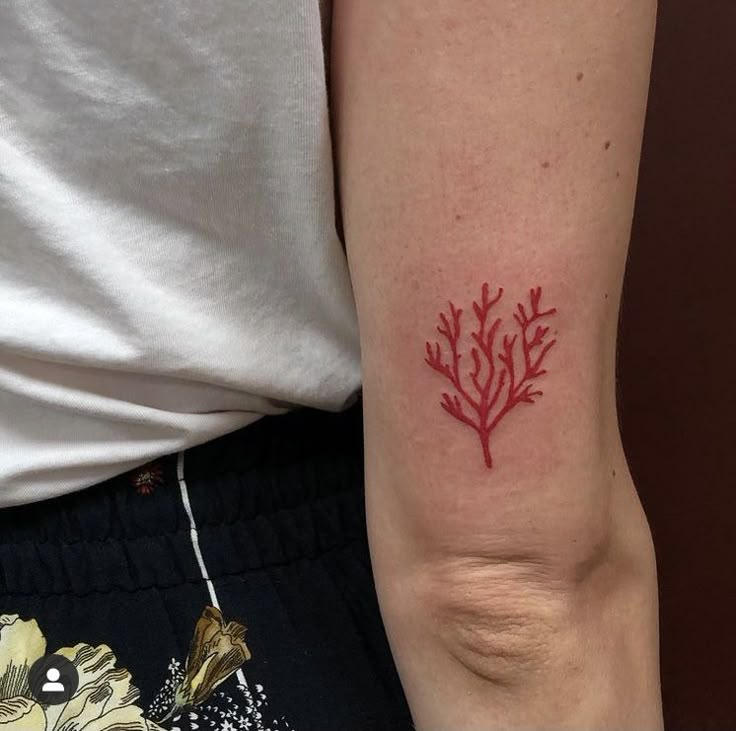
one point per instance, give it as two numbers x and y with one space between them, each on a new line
498 142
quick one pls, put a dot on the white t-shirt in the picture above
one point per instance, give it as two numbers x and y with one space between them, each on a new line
169 263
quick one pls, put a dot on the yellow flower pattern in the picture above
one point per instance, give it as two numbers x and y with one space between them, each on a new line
106 699
218 649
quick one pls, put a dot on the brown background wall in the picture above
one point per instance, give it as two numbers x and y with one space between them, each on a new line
677 357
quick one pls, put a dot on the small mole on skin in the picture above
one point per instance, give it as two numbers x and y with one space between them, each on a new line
606 295
580 76
545 164
614 473
618 174
607 145
457 216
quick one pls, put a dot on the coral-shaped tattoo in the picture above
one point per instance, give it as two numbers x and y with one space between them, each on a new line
500 377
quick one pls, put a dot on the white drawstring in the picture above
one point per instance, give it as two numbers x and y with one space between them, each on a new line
198 553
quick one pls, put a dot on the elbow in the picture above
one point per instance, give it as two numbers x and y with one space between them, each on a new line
511 616
498 622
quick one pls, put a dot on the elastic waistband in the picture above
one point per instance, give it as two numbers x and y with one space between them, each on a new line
283 489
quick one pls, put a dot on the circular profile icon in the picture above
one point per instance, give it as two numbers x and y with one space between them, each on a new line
53 679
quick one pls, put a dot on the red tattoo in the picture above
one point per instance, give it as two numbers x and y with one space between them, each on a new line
497 388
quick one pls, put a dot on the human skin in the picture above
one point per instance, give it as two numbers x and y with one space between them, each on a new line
498 142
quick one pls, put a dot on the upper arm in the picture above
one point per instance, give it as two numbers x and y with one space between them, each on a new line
488 142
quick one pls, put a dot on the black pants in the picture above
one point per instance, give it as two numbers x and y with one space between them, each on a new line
158 572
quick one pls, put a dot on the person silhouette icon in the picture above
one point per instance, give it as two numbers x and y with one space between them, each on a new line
52 679
52 684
